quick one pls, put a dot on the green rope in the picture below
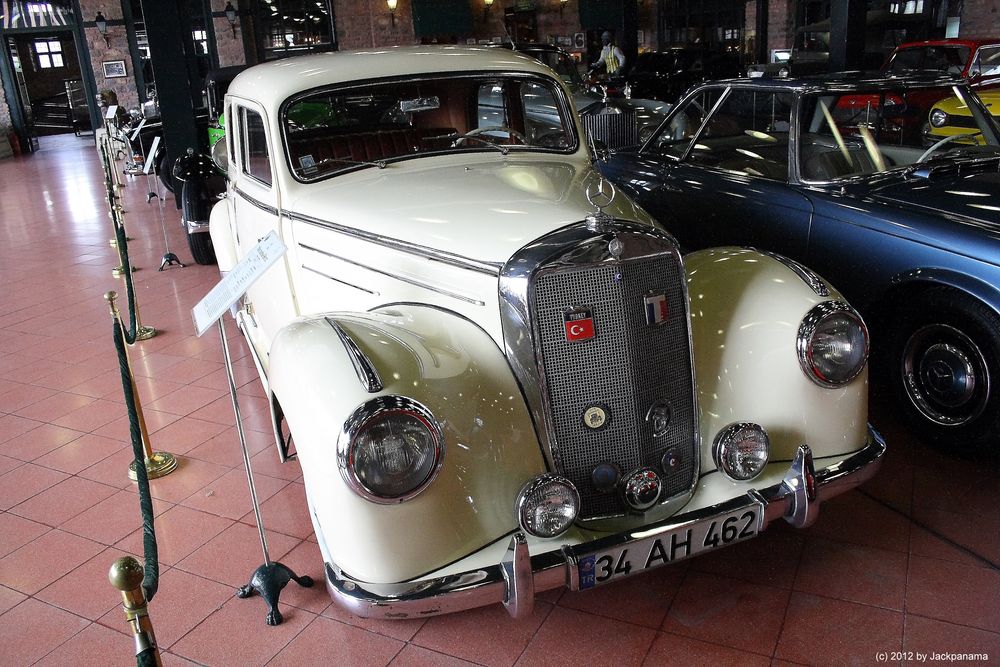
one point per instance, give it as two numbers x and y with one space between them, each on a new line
151 576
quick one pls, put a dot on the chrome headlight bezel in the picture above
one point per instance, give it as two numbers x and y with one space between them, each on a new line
731 436
523 508
371 413
820 314
938 118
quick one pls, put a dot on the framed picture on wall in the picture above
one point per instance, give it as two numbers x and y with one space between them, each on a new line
579 40
114 69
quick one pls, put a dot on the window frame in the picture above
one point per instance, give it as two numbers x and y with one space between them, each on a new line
245 145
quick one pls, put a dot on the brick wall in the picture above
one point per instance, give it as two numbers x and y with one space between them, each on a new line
980 18
366 23
115 49
4 113
230 48
780 24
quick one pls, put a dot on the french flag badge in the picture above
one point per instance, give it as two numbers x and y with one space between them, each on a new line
656 309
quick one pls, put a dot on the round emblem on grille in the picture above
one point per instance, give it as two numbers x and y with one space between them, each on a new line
642 489
595 417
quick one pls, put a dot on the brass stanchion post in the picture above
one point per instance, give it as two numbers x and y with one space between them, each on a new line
126 575
158 464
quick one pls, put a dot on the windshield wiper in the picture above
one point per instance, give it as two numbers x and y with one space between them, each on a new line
361 163
456 137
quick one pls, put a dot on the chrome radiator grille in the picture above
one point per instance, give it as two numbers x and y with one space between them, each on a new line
625 368
616 130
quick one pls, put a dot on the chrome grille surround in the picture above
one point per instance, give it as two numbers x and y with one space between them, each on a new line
573 267
617 131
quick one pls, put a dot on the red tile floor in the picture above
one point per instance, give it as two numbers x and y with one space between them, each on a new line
907 563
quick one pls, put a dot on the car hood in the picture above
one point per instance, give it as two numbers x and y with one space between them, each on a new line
483 207
968 196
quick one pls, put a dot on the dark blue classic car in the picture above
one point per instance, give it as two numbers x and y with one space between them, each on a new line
854 178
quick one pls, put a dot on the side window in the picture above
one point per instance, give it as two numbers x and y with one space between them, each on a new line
543 122
253 139
674 139
989 61
748 134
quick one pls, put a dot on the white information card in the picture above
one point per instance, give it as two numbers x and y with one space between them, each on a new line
228 291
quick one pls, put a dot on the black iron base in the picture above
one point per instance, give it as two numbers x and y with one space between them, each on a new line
169 259
268 580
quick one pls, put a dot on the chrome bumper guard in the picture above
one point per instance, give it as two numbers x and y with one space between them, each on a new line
196 226
515 579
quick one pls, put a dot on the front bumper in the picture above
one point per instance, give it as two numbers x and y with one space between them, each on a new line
515 580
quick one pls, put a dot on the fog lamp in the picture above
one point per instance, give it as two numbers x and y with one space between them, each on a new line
547 505
741 450
832 344
939 118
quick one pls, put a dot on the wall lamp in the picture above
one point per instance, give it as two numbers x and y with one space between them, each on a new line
231 17
392 10
102 27
486 7
562 6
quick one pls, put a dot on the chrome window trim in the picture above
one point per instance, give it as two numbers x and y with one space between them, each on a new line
363 366
487 268
807 329
574 245
808 276
701 128
411 281
364 414
267 208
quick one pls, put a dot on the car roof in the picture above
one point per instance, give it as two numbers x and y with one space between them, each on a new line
276 81
847 82
951 41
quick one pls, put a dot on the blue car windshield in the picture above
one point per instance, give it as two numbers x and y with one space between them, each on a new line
849 134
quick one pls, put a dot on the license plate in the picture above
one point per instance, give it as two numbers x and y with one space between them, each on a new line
674 545
755 74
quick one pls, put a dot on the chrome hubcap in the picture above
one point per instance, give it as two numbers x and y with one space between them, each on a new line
945 375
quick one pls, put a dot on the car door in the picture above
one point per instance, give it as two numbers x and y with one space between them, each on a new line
256 205
725 182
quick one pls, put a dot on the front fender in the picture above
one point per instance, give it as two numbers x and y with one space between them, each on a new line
453 368
746 308
221 229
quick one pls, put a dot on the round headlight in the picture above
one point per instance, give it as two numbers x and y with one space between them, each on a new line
832 344
784 72
547 506
390 449
741 450
939 118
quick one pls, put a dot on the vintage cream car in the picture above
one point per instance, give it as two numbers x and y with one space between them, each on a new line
500 377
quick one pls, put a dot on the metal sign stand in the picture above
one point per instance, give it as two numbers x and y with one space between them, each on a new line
269 579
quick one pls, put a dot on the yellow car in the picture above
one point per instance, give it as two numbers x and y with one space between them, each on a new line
951 117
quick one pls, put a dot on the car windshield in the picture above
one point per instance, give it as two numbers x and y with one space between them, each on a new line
563 64
849 134
344 128
945 59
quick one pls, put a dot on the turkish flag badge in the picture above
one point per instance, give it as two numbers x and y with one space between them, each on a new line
579 324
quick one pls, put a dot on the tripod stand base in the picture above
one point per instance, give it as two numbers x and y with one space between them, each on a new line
169 259
269 580
160 464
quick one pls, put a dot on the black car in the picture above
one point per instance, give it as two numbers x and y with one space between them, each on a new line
846 175
666 75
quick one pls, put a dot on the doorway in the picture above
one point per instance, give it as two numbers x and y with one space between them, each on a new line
49 83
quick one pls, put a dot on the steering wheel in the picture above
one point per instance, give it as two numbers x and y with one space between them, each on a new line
934 147
496 128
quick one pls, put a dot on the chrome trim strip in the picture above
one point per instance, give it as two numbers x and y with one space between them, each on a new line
256 202
338 280
556 568
362 364
427 286
808 276
489 268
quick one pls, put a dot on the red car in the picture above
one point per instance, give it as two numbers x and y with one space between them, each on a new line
978 60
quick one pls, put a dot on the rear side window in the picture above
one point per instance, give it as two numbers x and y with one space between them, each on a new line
256 162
